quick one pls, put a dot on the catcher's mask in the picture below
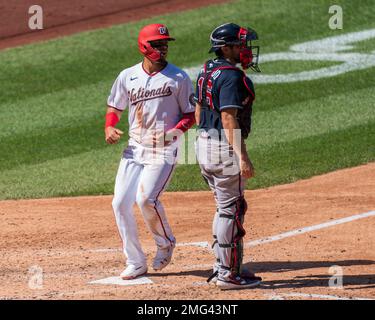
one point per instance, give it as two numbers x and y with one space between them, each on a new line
232 34
149 33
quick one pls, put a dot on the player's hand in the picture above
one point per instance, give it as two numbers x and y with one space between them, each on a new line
247 168
112 135
172 135
158 139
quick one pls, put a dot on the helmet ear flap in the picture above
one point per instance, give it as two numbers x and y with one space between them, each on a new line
148 51
152 32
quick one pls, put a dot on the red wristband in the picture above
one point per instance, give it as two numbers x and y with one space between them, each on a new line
186 122
111 119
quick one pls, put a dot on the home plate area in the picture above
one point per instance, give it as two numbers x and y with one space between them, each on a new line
204 245
120 282
312 239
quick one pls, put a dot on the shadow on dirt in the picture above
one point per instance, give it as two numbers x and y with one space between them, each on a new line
362 281
366 281
286 266
313 280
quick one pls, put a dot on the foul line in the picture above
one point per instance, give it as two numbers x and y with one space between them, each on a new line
206 244
203 244
309 229
115 280
296 232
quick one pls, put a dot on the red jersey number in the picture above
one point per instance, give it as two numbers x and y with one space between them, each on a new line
208 91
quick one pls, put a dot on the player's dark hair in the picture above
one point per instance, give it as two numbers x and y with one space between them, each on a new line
219 53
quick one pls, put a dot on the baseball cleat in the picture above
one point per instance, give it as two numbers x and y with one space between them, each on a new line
237 282
245 273
132 272
163 257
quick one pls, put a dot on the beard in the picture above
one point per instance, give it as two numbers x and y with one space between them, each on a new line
237 59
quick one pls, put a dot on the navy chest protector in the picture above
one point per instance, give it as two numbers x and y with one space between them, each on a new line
210 117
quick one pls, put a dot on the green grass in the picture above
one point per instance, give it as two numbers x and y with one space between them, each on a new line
285 67
53 96
367 46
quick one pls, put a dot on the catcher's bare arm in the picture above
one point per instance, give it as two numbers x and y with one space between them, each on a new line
197 113
230 124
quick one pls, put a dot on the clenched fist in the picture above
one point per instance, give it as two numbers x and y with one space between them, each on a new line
247 168
112 135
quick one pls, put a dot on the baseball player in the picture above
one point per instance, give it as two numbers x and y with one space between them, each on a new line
159 98
224 96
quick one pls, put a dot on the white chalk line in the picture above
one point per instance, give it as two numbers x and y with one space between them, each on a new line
327 49
281 236
309 229
205 244
202 244
104 250
281 296
57 252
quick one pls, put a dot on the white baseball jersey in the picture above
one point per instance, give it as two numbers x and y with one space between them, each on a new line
154 100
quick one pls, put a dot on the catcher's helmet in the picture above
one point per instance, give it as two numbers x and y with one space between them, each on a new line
233 34
152 32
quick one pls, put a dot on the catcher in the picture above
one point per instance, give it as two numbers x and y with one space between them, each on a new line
224 96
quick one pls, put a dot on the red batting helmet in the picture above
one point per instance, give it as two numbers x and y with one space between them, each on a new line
152 32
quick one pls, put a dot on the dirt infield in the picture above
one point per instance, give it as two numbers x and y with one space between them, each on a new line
61 18
73 241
